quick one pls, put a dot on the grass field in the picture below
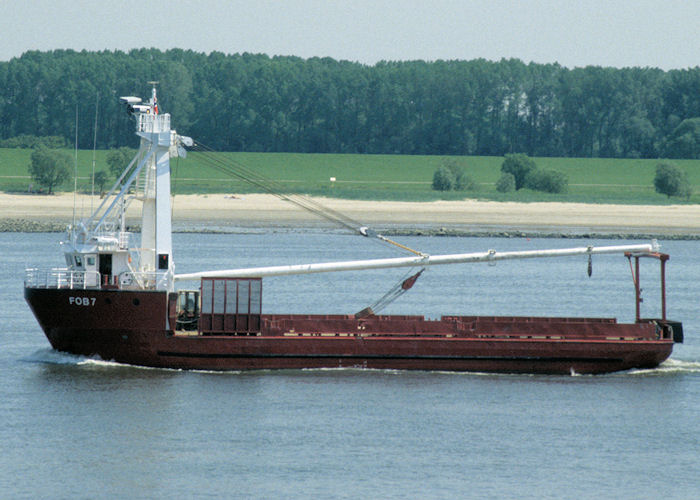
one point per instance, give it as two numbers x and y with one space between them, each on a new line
384 177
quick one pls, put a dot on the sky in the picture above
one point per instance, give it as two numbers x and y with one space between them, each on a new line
662 34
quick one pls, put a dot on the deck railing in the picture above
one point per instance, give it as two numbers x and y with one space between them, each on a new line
153 123
80 280
61 278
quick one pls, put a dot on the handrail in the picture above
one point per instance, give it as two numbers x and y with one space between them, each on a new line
82 280
61 278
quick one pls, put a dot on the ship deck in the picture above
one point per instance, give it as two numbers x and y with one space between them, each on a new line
401 326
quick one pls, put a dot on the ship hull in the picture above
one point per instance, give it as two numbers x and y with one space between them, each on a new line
136 328
115 299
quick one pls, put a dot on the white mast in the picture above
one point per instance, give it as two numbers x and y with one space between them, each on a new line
156 224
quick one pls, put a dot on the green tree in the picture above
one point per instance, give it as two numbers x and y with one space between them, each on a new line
118 159
245 102
671 180
684 141
101 179
639 136
519 165
49 168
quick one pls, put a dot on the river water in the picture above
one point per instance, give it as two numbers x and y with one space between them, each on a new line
84 428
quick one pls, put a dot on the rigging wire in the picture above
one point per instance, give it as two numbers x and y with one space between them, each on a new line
404 285
75 167
237 169
240 171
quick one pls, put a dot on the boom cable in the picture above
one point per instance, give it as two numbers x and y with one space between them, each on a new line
237 169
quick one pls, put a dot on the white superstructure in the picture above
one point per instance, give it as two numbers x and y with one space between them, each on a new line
99 251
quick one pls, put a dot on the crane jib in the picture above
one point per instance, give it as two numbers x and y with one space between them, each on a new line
417 261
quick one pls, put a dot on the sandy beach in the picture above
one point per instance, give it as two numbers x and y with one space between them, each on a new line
192 212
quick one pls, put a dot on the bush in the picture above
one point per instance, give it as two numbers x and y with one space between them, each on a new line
548 181
519 165
672 181
443 179
462 180
451 176
505 183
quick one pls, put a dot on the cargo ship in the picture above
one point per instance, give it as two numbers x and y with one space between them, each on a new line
119 298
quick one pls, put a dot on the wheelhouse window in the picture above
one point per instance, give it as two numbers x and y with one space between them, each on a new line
78 261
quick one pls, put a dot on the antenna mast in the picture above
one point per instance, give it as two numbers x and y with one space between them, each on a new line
154 98
75 167
94 147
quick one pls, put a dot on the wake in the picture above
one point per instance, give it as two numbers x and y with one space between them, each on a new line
671 367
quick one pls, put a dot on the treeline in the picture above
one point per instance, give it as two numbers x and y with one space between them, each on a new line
247 102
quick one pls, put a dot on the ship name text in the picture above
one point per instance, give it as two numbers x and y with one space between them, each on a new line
82 301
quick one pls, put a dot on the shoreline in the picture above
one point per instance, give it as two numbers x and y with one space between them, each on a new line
227 213
33 226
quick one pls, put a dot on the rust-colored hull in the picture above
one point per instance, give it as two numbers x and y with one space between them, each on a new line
135 327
